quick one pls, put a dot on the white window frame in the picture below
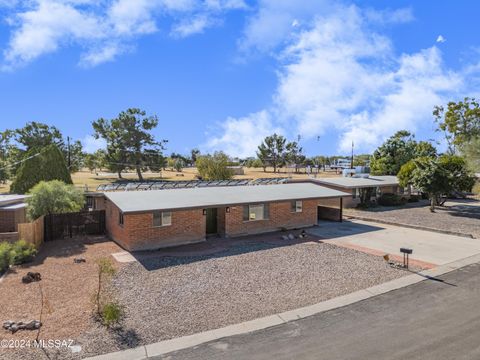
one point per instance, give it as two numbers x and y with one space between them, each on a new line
165 218
250 213
296 206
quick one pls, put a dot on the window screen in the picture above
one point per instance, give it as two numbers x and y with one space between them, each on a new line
255 212
297 206
162 218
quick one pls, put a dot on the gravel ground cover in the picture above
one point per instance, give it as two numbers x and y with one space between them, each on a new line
167 296
461 216
182 295
67 294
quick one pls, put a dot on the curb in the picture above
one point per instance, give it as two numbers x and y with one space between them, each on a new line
417 227
184 342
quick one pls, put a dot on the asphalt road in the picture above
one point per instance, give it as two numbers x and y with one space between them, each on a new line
435 320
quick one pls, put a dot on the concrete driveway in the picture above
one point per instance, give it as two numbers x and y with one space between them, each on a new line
429 247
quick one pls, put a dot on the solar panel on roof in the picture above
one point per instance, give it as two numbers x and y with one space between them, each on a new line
162 184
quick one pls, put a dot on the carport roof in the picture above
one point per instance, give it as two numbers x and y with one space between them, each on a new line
8 199
171 199
358 182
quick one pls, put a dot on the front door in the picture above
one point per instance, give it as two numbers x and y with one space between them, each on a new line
212 227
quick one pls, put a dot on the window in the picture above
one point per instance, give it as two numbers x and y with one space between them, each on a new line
255 212
162 218
120 218
297 206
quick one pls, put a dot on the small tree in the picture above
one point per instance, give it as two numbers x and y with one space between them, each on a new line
108 310
41 165
432 179
54 197
460 178
214 167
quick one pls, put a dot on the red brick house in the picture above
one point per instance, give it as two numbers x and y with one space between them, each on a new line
144 220
12 212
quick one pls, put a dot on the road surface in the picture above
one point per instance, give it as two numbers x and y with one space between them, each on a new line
435 319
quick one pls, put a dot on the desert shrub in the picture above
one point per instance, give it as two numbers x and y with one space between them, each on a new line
22 252
476 188
414 198
391 200
4 256
111 313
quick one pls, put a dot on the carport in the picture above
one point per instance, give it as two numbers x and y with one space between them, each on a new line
330 209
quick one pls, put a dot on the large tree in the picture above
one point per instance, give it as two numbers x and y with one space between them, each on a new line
130 143
460 121
397 151
35 136
48 164
272 151
294 155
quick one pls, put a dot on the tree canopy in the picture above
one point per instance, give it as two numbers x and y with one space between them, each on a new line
397 151
130 143
54 197
214 167
47 165
460 121
272 151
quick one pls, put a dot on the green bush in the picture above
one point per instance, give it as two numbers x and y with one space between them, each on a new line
4 256
112 313
476 188
391 200
22 252
414 198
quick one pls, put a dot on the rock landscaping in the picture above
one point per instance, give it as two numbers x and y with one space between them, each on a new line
13 326
182 291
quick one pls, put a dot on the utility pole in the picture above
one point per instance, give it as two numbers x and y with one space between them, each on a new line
68 149
351 164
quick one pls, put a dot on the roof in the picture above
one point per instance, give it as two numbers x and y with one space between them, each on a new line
12 199
358 182
137 201
13 206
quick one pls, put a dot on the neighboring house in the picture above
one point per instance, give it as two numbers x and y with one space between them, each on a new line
12 212
353 185
144 220
237 170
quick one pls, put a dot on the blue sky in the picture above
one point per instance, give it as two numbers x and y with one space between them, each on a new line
222 74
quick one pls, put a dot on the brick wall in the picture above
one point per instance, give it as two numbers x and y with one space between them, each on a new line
280 217
9 219
138 232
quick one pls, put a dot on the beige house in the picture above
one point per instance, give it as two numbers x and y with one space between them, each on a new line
353 185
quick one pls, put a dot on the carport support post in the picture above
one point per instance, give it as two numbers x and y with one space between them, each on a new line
341 210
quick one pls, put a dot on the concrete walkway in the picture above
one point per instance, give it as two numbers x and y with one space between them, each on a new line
164 347
429 247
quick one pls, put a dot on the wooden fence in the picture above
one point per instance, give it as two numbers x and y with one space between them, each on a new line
31 232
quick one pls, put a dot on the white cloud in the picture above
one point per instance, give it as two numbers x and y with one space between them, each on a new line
194 25
240 137
104 29
341 75
441 39
43 29
271 24
90 144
